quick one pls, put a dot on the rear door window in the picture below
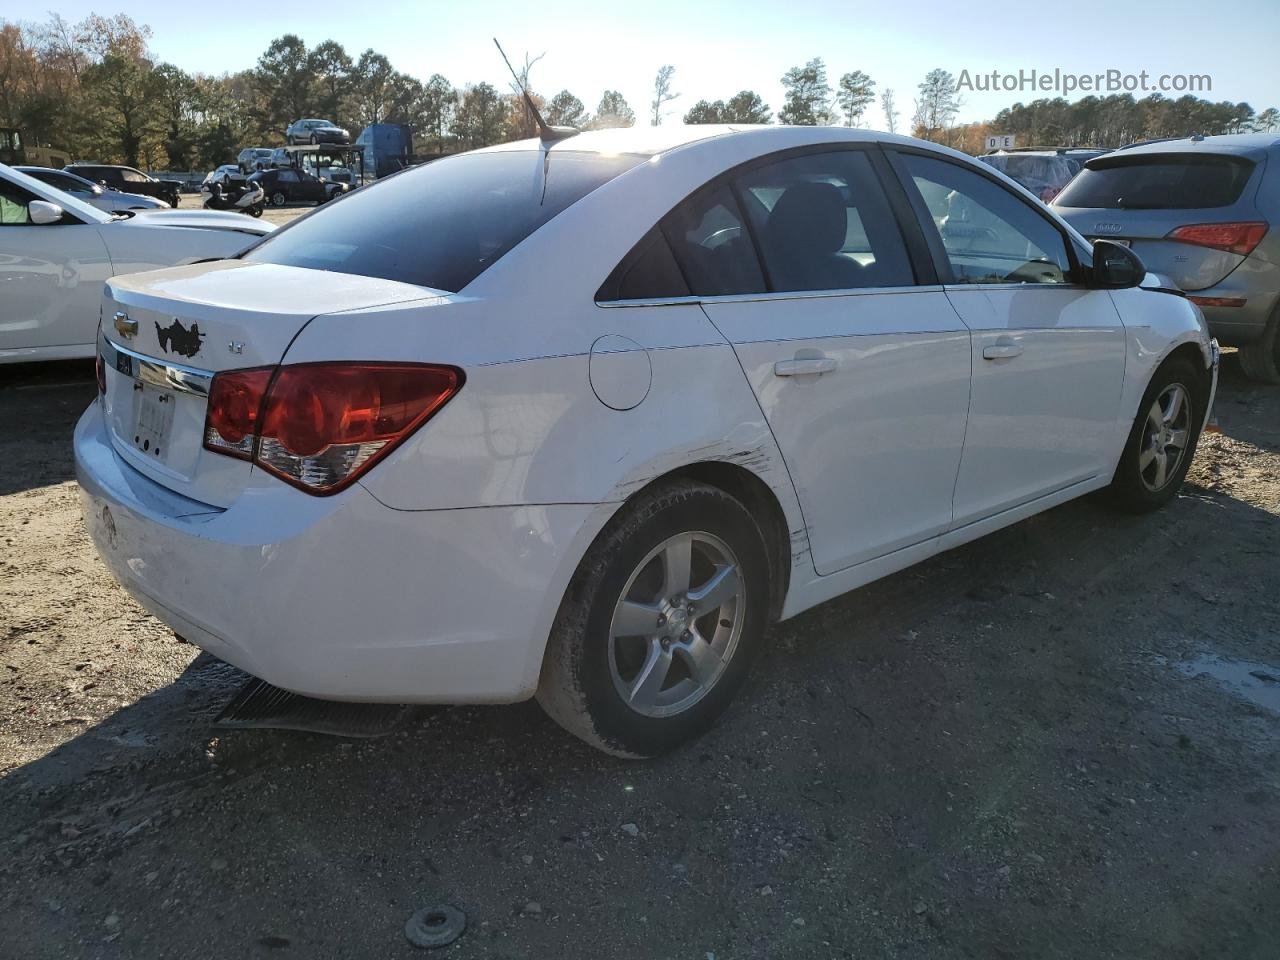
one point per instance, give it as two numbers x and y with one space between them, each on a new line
823 223
1158 182
444 223
711 243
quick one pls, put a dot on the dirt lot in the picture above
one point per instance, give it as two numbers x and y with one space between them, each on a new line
279 215
1011 751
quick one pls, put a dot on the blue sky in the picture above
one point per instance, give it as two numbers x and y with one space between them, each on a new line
721 47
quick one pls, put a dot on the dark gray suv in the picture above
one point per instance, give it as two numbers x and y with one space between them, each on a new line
1201 212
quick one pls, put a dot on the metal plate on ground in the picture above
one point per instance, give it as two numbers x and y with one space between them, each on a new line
260 706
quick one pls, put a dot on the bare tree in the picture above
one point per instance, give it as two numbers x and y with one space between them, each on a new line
662 92
890 113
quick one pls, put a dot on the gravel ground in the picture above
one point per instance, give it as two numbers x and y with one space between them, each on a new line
279 215
1011 751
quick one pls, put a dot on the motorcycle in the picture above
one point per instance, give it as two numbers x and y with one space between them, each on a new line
232 193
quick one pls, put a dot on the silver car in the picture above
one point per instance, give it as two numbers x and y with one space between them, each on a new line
1199 211
102 197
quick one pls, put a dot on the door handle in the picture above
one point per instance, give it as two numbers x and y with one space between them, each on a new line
801 366
1002 349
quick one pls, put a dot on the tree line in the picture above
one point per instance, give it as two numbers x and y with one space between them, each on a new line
93 89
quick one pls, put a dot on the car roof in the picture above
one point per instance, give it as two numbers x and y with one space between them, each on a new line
650 141
1254 145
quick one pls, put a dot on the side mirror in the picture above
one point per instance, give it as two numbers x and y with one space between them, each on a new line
43 213
1115 266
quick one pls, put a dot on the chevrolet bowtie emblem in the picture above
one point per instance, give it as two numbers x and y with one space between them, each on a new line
124 326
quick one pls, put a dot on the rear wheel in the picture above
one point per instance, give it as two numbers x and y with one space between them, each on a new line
660 624
1163 440
314 140
1260 360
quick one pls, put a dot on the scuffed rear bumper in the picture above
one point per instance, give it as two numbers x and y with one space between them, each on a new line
339 597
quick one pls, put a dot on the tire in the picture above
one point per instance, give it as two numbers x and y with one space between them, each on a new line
592 671
315 141
278 199
1260 360
1143 483
255 210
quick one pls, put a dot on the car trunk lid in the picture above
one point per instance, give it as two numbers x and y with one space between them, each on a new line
167 333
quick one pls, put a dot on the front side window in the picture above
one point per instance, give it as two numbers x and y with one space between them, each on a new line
13 204
823 223
129 175
989 234
444 223
711 243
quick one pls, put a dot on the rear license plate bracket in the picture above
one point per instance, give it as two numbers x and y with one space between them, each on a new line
153 421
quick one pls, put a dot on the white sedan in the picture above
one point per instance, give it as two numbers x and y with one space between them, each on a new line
579 419
56 251
104 198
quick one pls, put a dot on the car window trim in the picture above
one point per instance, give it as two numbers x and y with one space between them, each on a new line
914 239
693 299
942 262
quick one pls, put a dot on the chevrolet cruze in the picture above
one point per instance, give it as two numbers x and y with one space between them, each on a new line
578 419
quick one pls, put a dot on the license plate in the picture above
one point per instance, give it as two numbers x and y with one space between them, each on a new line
154 422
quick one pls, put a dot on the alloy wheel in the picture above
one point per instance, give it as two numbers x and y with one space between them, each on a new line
677 624
1165 433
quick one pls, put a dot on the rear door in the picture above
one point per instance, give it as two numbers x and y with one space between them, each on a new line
1048 352
1141 199
862 374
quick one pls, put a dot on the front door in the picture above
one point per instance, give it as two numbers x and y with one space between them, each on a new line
1048 353
51 276
862 375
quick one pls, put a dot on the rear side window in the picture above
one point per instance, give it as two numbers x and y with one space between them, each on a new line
1158 182
823 223
648 272
442 224
712 245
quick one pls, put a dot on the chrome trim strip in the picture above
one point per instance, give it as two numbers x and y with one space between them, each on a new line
169 376
774 295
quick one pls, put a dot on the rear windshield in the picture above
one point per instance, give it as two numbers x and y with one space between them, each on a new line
1031 168
1158 182
442 224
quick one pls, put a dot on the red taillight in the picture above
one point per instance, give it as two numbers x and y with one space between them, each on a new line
100 372
321 425
1238 238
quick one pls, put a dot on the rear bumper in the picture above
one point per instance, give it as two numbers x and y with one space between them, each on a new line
1244 324
339 597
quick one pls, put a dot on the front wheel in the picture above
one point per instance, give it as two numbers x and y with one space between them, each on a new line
278 199
661 623
1162 441
255 210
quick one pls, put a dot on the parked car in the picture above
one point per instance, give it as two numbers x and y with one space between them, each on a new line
295 185
56 251
315 131
104 198
253 158
128 180
1043 172
579 419
1199 211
